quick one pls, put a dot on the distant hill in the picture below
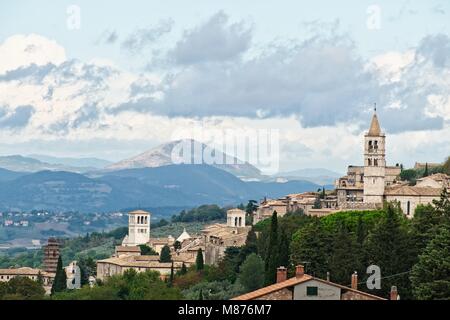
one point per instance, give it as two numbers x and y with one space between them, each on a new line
27 164
95 163
320 176
167 186
6 175
163 154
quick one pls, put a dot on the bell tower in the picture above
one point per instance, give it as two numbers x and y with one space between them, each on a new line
374 162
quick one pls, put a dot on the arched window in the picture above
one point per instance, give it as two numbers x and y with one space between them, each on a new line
369 162
240 222
375 144
375 162
408 207
235 222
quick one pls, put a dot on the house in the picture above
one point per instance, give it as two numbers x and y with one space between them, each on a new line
306 287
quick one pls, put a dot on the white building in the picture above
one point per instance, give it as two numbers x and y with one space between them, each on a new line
138 228
73 275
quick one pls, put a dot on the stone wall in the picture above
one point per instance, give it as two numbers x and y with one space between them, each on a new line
283 294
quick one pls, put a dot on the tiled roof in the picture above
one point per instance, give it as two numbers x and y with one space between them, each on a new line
132 262
413 191
139 212
24 271
128 249
293 282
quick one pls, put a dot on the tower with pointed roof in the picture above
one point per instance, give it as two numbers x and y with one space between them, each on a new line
374 162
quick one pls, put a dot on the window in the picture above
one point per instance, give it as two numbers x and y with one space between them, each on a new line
408 207
376 144
375 162
369 162
312 291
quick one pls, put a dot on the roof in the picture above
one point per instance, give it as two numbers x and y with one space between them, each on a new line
413 191
374 129
295 281
136 262
183 236
436 177
24 271
138 212
128 249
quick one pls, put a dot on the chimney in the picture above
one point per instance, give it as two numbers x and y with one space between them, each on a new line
299 270
281 274
328 276
355 280
394 293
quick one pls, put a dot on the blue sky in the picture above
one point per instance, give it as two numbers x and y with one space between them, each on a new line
135 70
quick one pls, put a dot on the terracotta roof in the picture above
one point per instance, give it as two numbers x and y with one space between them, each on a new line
132 262
24 271
436 177
413 191
293 282
374 129
128 249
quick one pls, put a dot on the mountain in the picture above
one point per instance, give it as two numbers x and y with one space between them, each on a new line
164 154
166 186
320 176
7 175
95 163
28 164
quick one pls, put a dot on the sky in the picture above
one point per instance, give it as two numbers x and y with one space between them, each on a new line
111 79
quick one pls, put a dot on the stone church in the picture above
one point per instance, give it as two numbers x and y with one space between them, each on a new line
368 186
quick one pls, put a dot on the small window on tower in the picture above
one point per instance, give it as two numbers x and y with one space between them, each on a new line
376 144
369 162
375 162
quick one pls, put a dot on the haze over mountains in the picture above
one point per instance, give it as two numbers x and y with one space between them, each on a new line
147 180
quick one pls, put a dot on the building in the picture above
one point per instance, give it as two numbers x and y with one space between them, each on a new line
33 274
138 228
73 275
218 237
118 265
368 186
306 287
51 255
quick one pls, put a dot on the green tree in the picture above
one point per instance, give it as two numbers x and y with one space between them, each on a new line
251 276
165 255
171 275
430 277
425 173
283 254
200 295
199 262
310 246
344 258
390 247
177 245
446 166
60 281
317 204
272 252
409 175
21 288
147 251
183 270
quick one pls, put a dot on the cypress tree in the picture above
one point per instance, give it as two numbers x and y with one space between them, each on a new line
60 281
283 256
165 254
171 275
272 252
425 174
183 270
199 262
343 259
200 295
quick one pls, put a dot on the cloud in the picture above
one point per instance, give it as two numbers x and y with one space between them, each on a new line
20 51
17 118
108 37
145 37
215 40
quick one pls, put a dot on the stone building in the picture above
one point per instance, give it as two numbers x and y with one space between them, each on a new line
73 276
33 274
51 255
218 237
138 228
368 186
306 287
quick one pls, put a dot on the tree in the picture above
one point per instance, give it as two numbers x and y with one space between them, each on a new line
251 276
165 255
430 277
60 281
88 268
425 173
147 251
199 262
310 246
272 252
390 247
446 166
283 254
21 288
171 275
200 295
409 175
344 259
183 270
177 245
317 204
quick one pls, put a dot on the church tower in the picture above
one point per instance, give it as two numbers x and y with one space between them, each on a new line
374 162
138 228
